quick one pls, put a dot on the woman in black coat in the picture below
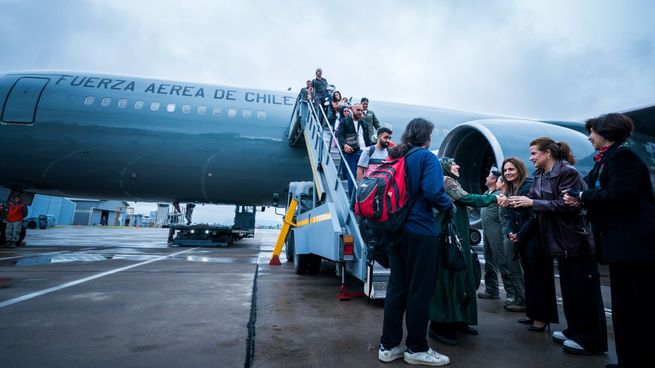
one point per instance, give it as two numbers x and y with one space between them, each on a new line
564 234
621 207
540 298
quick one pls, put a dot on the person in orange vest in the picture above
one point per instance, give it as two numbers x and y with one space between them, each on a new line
15 216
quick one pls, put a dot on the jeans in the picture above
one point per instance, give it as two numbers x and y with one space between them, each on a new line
351 161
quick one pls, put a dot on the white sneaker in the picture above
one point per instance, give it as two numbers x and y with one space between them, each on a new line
389 355
430 357
559 337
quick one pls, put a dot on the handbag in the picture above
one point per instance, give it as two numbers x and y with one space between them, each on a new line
477 269
452 252
353 141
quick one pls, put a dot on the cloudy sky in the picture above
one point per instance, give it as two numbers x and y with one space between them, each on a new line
544 59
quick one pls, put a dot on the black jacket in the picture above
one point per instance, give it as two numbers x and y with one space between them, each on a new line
347 128
563 229
621 207
522 222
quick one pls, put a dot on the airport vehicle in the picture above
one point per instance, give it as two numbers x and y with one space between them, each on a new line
46 221
115 137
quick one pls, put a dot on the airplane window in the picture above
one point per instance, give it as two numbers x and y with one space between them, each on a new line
202 110
247 114
122 103
186 109
89 100
155 106
217 111
231 112
261 115
170 107
138 105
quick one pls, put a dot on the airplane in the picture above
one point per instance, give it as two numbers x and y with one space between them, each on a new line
78 134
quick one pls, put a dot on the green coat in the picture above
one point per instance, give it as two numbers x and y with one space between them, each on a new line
454 299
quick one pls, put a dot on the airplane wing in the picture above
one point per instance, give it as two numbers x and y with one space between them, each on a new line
644 119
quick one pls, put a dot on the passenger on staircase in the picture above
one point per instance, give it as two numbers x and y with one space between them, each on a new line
308 91
351 140
334 108
320 85
373 155
372 123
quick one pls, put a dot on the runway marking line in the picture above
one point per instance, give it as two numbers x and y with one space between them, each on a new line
77 282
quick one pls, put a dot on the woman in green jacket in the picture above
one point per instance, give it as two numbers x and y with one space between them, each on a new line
454 306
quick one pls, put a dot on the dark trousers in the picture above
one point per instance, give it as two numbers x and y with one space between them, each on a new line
540 297
414 261
632 303
583 302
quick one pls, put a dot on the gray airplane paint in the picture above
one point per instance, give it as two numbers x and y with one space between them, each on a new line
216 144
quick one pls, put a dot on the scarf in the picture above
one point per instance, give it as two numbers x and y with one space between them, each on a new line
598 156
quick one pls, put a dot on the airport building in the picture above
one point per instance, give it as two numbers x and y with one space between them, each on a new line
57 210
101 212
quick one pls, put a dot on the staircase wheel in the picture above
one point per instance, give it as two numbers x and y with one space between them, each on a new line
314 263
301 263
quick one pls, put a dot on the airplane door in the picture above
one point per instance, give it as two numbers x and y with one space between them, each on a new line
20 105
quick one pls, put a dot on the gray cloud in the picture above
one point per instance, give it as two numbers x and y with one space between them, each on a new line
555 59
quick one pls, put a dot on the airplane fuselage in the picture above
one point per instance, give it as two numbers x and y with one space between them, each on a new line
103 136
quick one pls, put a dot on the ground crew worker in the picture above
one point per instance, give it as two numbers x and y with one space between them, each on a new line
15 216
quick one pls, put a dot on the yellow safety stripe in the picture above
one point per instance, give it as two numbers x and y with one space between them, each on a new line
312 220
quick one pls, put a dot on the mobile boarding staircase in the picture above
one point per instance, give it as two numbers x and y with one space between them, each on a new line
320 223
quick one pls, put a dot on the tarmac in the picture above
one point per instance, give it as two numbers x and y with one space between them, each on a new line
120 297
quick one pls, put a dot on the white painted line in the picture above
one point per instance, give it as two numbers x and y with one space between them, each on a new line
33 255
76 282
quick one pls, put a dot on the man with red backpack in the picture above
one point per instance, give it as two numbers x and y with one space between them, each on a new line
15 215
414 256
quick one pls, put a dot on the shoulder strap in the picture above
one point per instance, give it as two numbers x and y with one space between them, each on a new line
371 150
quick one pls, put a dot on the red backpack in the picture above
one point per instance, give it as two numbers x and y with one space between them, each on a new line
382 197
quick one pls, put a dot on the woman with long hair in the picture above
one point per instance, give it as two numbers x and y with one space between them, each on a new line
621 208
564 234
413 256
538 276
454 304
514 285
334 108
